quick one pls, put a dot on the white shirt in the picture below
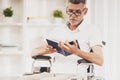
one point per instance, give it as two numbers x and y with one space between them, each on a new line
87 36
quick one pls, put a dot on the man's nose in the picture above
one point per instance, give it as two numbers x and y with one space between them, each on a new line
73 15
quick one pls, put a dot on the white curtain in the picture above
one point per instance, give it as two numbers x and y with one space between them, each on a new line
105 14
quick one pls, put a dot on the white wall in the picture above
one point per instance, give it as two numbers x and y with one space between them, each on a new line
105 14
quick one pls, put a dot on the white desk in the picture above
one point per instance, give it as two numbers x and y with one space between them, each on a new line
47 76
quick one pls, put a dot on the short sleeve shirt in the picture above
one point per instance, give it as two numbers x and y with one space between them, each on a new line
87 36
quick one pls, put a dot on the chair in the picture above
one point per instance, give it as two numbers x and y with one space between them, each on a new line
36 68
90 69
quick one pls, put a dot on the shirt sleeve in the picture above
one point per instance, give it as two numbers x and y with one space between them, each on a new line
95 37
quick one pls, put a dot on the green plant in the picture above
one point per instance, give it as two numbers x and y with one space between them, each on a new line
8 12
57 14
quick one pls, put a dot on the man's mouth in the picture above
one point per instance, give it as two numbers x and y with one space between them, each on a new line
72 20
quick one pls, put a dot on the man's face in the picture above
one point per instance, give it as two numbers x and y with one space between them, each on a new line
76 13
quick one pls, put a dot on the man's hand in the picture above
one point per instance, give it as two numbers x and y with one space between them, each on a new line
46 49
68 47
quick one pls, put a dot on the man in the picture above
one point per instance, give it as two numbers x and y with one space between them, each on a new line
87 35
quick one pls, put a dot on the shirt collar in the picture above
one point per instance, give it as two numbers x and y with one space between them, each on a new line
80 26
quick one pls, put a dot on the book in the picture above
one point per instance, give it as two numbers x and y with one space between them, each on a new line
59 50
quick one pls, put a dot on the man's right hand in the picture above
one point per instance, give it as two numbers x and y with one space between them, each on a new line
46 49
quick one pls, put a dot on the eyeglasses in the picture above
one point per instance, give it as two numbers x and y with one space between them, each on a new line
75 12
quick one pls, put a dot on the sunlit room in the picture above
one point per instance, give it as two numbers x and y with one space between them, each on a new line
24 24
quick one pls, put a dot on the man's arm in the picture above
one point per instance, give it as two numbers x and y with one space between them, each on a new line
95 57
44 49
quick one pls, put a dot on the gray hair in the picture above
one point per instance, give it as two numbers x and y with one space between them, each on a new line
77 1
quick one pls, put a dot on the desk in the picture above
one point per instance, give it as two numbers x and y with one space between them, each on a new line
49 76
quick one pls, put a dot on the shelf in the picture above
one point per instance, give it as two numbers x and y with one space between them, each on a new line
29 24
41 24
9 49
8 45
11 24
19 53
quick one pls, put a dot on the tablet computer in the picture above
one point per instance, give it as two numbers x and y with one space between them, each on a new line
59 50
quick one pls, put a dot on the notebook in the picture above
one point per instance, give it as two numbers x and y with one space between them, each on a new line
59 50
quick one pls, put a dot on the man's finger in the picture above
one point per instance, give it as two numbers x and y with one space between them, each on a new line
67 43
75 43
48 46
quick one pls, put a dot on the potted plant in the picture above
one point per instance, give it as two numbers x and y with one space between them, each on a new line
8 13
58 16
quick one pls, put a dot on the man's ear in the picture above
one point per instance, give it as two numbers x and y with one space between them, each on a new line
85 11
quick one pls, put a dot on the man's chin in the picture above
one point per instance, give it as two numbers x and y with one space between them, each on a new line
74 24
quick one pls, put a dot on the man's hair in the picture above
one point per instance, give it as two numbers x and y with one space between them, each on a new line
77 1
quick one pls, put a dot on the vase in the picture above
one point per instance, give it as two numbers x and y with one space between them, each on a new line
58 20
8 19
